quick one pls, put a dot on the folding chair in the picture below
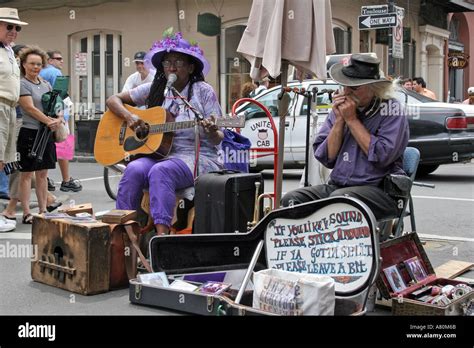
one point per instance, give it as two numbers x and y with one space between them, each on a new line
411 159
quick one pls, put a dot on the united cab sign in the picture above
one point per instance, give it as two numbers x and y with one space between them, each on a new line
334 241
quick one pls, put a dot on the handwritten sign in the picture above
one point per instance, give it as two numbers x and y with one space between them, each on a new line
334 241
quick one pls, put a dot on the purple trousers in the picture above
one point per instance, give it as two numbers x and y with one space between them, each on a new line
162 179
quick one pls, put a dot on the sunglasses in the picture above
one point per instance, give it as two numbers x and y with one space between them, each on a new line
11 26
58 58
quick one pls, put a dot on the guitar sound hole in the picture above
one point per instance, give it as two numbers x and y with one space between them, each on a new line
142 132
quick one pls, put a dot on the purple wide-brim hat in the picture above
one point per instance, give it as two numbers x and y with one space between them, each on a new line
176 43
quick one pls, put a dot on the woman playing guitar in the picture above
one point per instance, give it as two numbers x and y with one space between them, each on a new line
171 55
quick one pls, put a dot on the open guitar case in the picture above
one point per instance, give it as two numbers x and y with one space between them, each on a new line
342 224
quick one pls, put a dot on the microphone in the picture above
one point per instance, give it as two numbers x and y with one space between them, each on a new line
171 80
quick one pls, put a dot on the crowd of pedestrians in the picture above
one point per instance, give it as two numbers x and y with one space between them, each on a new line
26 73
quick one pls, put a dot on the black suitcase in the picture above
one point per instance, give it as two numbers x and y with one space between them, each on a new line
225 201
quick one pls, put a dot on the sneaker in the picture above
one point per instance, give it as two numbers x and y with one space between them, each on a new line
6 225
72 185
51 186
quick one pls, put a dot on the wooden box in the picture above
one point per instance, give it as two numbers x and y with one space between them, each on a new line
394 253
85 258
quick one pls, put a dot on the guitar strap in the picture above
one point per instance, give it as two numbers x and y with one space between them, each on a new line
132 236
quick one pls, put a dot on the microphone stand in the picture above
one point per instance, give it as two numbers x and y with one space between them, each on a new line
311 95
198 118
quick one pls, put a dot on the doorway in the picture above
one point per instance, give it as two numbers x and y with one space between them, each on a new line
96 71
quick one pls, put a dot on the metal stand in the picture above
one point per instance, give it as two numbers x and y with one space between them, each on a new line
311 95
198 118
284 101
39 145
253 262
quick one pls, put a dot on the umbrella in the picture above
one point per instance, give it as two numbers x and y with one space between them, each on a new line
281 32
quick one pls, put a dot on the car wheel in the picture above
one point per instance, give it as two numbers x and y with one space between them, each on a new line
426 169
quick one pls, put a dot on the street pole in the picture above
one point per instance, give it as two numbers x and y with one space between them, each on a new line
391 62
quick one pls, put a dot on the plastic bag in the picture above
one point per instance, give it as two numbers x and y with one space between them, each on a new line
397 185
290 293
236 151
65 149
61 133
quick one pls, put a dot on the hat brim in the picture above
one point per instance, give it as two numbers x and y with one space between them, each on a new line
157 57
13 21
335 72
139 60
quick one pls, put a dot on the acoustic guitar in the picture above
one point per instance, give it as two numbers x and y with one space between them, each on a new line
115 141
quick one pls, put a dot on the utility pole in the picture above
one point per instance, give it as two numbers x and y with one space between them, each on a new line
391 62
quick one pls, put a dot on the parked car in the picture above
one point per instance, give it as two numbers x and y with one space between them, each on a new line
442 132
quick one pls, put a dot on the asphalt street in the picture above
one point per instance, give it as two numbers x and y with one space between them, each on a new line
444 217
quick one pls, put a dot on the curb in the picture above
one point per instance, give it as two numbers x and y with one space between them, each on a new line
87 158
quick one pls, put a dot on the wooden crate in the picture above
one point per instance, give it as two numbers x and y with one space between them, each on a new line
72 256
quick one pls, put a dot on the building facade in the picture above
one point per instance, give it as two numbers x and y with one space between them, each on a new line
98 39
459 77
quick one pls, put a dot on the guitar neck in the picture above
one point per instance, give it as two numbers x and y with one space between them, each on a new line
171 127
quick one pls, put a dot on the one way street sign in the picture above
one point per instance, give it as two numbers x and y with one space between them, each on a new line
378 21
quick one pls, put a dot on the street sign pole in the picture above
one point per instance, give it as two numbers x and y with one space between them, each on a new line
391 61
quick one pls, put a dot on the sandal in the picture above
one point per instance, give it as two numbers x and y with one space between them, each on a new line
27 219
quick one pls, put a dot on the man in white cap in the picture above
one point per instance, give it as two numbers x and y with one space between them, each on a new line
10 26
362 140
470 99
141 76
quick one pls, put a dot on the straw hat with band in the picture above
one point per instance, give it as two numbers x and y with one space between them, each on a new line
361 70
176 43
10 15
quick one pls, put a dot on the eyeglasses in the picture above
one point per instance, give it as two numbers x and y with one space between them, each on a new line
58 58
11 26
177 63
